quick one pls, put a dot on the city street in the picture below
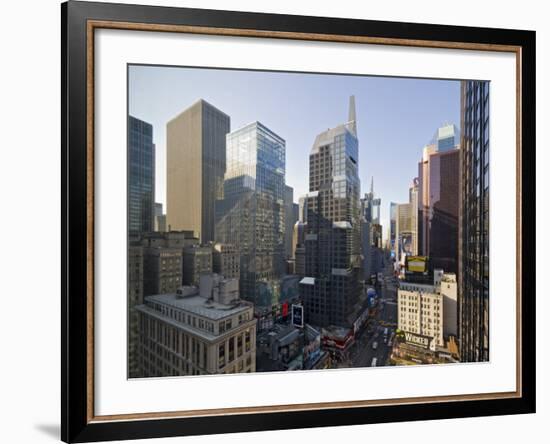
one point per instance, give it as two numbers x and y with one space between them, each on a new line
362 353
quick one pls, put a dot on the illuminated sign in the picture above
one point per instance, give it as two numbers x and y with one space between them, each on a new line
420 340
416 264
297 315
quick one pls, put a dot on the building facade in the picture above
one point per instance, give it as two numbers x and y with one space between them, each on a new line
141 177
196 163
252 214
438 189
135 298
226 260
420 311
162 270
330 288
197 331
197 260
393 228
474 223
291 216
160 219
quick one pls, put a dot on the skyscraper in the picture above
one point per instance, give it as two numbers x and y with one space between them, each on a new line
332 237
291 216
196 163
474 223
252 214
406 224
393 228
438 177
446 138
141 177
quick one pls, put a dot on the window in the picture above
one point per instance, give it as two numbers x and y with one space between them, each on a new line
231 349
239 345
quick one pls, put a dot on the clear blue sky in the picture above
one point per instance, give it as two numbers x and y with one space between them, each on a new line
396 117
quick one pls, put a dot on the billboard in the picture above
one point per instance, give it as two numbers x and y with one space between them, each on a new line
407 243
297 315
416 264
419 340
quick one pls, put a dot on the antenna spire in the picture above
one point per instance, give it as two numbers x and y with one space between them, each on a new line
351 115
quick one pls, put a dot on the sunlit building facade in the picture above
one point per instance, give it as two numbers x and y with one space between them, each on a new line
252 214
330 287
438 182
196 162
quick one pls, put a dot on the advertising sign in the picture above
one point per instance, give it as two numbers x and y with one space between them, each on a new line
419 340
416 264
297 315
285 309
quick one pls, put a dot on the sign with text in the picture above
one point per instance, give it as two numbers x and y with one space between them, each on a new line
297 315
420 340
416 264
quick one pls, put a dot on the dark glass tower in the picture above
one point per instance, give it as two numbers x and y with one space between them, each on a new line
474 223
141 177
252 214
333 229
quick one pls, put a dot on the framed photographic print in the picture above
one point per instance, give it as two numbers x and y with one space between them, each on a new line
275 221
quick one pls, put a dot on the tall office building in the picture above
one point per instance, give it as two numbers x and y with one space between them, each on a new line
252 214
333 230
438 177
393 228
375 217
406 225
404 230
413 201
474 223
290 219
446 138
196 162
141 177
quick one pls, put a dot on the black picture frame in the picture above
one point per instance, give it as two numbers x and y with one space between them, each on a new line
76 423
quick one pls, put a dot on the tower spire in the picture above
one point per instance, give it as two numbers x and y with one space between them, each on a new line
351 115
372 185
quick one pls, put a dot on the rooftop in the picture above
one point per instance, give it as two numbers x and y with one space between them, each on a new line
196 304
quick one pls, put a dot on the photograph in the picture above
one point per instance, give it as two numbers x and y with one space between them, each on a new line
294 221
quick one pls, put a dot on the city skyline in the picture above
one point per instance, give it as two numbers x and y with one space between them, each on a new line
384 104
241 278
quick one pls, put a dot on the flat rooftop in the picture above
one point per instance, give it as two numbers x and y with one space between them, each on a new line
199 305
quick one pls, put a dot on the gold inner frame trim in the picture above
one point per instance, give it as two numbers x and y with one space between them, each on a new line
92 25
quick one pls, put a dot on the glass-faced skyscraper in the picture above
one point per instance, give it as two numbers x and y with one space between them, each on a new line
252 214
141 177
195 160
446 137
333 230
474 223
